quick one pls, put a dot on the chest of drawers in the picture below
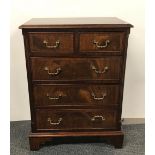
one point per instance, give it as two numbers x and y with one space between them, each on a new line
75 70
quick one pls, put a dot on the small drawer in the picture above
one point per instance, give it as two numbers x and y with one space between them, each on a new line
70 119
51 42
107 68
75 95
101 42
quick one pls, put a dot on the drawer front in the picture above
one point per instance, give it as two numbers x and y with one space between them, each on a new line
51 42
78 95
101 42
76 69
71 119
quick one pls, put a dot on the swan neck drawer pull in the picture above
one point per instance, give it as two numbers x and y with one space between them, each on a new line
54 98
99 98
101 46
57 43
58 70
97 116
98 71
54 123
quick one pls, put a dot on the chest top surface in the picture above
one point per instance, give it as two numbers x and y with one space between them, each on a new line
87 22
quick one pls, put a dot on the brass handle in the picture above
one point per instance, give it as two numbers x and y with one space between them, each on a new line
54 98
98 71
98 98
54 123
58 70
101 46
57 43
98 116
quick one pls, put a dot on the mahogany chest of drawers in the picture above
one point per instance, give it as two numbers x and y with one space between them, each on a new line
75 71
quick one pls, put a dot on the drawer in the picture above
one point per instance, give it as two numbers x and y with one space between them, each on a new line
70 119
107 68
51 42
75 95
101 42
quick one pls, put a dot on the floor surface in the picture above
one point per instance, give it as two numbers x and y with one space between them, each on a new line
134 143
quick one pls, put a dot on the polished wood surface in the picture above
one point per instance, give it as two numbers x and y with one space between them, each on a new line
65 42
75 70
111 137
76 119
87 41
85 22
75 95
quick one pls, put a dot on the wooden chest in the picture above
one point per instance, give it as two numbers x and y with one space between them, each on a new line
75 71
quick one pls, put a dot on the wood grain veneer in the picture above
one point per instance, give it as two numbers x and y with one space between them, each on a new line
75 70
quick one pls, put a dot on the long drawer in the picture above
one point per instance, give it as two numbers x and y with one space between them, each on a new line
74 94
107 68
71 119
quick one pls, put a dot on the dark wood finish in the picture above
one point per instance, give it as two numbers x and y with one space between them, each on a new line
37 42
75 95
76 119
62 76
115 44
76 69
112 137
28 65
36 142
87 22
116 140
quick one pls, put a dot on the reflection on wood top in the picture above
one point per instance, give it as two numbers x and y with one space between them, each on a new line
77 22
